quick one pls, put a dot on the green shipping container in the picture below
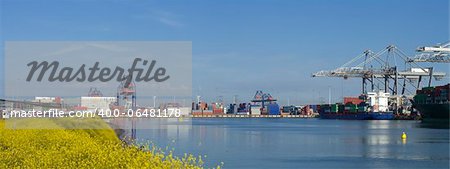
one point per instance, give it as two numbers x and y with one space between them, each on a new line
351 107
334 108
428 88
362 109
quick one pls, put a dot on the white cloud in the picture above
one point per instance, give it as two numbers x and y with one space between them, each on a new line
162 16
170 22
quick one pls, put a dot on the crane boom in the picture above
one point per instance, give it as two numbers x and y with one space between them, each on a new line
436 54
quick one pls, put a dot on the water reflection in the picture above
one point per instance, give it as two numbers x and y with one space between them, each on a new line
301 143
435 123
403 141
379 124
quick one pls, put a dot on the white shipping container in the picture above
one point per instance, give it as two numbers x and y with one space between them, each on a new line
185 111
99 103
256 110
44 99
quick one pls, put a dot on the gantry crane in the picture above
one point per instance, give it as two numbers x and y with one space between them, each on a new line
261 97
94 92
382 67
436 54
126 92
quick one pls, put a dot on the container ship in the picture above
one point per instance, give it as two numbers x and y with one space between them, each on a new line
433 102
356 108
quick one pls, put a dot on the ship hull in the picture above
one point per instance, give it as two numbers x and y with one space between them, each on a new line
434 111
358 116
382 116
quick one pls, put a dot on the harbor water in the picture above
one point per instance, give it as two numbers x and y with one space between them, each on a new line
304 143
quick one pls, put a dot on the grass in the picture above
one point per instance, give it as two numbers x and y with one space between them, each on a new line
60 147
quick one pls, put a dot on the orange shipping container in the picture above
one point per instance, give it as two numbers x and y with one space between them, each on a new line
218 111
352 100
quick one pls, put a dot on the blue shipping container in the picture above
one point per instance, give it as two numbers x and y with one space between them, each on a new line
273 109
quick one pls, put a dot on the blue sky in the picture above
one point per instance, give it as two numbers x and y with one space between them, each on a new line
242 46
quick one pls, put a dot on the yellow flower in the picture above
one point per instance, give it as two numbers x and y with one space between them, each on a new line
81 148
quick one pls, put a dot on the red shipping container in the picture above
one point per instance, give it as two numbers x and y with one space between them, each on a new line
218 111
437 92
79 108
307 110
352 100
58 100
447 86
443 87
197 113
419 92
440 87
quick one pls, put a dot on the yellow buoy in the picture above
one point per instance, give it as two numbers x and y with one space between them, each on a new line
403 135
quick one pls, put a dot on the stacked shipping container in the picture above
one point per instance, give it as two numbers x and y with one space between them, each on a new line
438 94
